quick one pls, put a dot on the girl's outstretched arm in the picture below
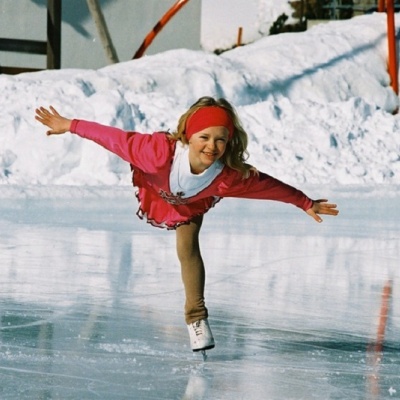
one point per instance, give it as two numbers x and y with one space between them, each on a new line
322 206
53 120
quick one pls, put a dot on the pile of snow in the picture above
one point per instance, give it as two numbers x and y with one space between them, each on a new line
268 12
317 107
255 17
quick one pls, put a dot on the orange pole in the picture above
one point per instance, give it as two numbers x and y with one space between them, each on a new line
239 37
383 316
381 6
391 33
157 28
375 348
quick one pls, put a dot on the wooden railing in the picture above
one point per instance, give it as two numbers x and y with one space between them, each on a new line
50 48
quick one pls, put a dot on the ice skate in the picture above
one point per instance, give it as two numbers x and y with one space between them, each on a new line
201 338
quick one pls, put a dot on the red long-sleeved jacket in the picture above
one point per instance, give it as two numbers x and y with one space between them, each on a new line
151 156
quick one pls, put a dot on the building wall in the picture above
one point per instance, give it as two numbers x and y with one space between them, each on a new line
128 21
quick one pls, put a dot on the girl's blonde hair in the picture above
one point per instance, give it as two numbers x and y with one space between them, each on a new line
236 148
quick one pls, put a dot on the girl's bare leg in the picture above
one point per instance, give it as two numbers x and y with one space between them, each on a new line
192 267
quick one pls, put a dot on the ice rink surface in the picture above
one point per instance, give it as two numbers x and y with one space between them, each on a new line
91 302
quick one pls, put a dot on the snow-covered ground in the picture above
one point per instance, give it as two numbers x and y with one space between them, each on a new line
317 106
90 310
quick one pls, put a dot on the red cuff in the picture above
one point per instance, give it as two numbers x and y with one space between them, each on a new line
309 204
74 123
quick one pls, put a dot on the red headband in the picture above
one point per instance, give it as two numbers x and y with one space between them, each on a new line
208 116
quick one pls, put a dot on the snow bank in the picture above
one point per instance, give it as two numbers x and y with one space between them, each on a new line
317 106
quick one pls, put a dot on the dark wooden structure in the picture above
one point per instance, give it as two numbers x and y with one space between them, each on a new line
50 48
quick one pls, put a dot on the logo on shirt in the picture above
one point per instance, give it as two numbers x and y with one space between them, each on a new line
174 199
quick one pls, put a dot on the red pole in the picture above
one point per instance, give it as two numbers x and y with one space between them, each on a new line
381 6
157 28
391 33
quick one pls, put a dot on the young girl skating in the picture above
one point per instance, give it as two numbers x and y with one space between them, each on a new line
180 176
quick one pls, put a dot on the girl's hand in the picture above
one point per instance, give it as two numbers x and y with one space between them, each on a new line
322 206
53 120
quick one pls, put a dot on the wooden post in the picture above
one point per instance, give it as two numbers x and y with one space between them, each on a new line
302 19
391 34
102 29
54 34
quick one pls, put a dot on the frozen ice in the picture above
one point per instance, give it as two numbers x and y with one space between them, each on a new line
92 301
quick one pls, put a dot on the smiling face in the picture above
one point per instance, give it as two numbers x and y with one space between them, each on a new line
206 147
